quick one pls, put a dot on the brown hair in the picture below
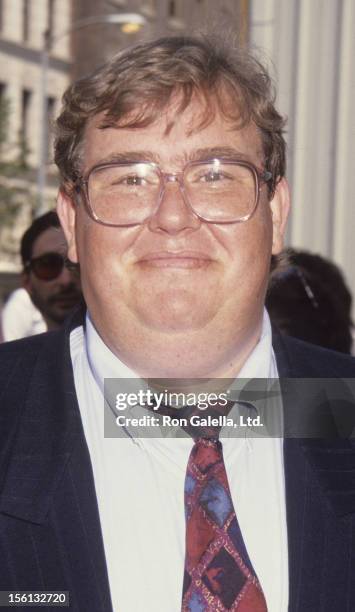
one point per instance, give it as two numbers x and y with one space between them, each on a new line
137 84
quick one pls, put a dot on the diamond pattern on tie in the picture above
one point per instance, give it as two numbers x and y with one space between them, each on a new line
218 573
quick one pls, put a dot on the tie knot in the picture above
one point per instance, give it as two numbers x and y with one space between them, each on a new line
208 442
206 453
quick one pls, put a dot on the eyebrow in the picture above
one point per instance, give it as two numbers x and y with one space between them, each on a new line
129 156
201 154
219 151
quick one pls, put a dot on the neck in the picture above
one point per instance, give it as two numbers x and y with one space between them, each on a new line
51 325
193 355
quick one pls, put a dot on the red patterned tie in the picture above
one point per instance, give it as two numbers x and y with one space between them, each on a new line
218 573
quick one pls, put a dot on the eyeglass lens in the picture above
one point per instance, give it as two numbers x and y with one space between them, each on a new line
48 266
217 191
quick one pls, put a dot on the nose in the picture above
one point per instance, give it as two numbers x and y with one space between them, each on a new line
174 213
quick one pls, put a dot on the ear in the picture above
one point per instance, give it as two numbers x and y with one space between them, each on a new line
66 210
280 207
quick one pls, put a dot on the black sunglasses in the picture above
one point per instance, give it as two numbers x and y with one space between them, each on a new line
46 267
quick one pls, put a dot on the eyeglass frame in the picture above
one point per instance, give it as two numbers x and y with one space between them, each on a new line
260 177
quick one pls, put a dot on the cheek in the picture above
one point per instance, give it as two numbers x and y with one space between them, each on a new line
259 258
249 252
259 251
39 290
248 244
94 263
102 257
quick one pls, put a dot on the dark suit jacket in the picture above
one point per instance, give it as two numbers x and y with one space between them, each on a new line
50 536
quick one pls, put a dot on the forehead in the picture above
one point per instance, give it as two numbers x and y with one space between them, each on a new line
172 139
51 240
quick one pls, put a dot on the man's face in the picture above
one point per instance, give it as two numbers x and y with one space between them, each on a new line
175 276
54 298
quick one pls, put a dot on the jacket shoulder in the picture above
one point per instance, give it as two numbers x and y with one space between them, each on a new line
24 350
18 359
296 358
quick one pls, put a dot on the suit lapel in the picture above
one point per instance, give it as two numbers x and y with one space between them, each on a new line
48 427
318 492
49 480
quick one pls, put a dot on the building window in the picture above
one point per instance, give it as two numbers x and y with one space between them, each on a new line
24 126
172 8
50 17
50 118
26 10
4 116
117 4
2 94
25 105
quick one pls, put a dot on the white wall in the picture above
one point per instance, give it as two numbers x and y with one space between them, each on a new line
312 46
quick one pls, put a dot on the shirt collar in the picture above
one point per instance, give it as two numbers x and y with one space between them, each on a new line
104 364
102 361
260 361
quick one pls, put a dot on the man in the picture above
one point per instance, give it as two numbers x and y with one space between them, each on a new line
50 290
173 199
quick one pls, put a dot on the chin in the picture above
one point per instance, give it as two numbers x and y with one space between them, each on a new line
174 324
176 315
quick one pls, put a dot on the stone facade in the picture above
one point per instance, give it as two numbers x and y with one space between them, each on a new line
22 27
20 67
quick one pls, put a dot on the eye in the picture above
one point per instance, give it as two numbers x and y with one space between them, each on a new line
130 180
136 181
212 176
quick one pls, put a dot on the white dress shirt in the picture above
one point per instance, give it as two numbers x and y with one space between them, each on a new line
140 490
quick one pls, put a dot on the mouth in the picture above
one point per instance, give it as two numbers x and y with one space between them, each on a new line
185 260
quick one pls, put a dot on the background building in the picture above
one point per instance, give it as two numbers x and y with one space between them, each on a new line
163 17
22 27
309 45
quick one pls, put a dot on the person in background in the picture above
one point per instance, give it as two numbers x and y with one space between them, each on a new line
50 290
308 298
